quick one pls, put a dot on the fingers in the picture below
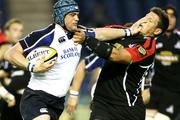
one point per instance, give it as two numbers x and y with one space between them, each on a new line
135 29
10 99
11 103
72 104
49 64
42 66
70 109
79 36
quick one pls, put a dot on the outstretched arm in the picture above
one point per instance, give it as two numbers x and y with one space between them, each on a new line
105 34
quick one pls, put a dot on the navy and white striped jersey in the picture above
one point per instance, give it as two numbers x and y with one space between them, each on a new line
55 81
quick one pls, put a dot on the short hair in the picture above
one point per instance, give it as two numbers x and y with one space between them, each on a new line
170 7
12 21
164 21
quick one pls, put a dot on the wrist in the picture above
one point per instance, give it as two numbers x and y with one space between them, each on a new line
102 49
127 32
73 93
30 67
90 33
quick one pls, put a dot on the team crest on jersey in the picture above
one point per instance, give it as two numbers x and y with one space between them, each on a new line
118 46
61 39
142 51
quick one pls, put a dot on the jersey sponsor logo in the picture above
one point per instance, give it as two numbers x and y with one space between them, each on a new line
37 54
118 46
142 51
70 52
43 110
167 58
61 39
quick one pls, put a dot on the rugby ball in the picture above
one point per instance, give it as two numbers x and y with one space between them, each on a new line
39 52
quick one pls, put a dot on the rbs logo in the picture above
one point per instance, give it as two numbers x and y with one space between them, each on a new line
61 39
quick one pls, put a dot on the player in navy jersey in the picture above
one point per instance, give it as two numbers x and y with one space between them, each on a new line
117 95
165 92
43 99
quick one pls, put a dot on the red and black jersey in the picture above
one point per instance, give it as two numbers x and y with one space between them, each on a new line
120 83
167 62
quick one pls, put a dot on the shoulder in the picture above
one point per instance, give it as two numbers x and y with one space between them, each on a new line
43 31
37 36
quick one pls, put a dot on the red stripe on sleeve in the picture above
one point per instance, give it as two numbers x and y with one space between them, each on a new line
140 52
115 26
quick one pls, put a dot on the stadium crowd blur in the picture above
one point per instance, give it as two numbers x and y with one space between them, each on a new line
103 12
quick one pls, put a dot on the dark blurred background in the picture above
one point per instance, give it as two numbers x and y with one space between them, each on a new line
102 12
37 13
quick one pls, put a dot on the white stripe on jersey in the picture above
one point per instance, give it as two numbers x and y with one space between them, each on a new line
39 40
92 62
124 86
148 66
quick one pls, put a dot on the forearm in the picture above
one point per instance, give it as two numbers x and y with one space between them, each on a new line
78 77
16 57
107 51
104 34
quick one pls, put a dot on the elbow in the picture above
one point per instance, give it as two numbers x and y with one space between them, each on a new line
120 56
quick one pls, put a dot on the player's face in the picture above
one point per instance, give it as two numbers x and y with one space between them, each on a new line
172 19
15 32
149 24
71 21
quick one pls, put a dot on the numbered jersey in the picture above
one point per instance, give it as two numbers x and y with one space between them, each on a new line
55 81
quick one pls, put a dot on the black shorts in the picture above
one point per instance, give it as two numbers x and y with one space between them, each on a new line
164 101
36 102
105 111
